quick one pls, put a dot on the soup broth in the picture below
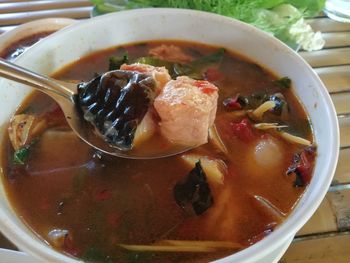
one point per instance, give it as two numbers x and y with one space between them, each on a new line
106 209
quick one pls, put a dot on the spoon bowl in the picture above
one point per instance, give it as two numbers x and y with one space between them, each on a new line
65 94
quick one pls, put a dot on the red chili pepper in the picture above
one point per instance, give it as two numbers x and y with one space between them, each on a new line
243 130
232 103
304 168
301 166
205 86
213 74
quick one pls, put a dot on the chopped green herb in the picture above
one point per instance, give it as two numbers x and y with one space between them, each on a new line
21 155
115 62
153 61
196 68
283 83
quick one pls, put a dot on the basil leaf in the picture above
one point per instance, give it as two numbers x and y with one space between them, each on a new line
283 83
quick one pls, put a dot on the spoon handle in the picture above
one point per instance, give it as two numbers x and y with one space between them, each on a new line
45 84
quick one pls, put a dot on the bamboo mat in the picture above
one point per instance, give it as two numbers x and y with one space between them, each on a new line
326 237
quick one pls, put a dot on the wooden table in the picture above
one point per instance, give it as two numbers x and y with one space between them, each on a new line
326 237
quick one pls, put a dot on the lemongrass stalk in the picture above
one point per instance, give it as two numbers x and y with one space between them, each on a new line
267 126
259 112
294 139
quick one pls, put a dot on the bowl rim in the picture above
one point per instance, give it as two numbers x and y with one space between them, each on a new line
283 232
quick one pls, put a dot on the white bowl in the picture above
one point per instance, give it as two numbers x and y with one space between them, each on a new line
101 32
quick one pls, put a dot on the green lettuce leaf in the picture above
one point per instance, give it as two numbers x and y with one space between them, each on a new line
281 18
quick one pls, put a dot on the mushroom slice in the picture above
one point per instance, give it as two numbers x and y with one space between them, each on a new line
115 103
215 169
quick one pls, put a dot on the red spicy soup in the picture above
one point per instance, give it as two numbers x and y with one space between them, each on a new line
256 165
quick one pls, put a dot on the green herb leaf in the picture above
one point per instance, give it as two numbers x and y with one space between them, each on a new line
21 155
196 68
116 62
283 83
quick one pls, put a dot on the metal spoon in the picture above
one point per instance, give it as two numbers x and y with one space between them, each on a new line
64 94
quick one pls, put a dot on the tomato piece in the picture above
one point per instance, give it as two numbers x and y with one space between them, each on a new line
232 103
205 86
304 168
243 130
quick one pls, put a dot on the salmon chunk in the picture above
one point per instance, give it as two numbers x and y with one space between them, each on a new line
187 109
160 74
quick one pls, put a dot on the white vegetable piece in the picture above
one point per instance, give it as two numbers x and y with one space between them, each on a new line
266 154
57 236
145 129
215 169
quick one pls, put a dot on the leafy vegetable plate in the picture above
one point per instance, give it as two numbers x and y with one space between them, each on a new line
284 19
